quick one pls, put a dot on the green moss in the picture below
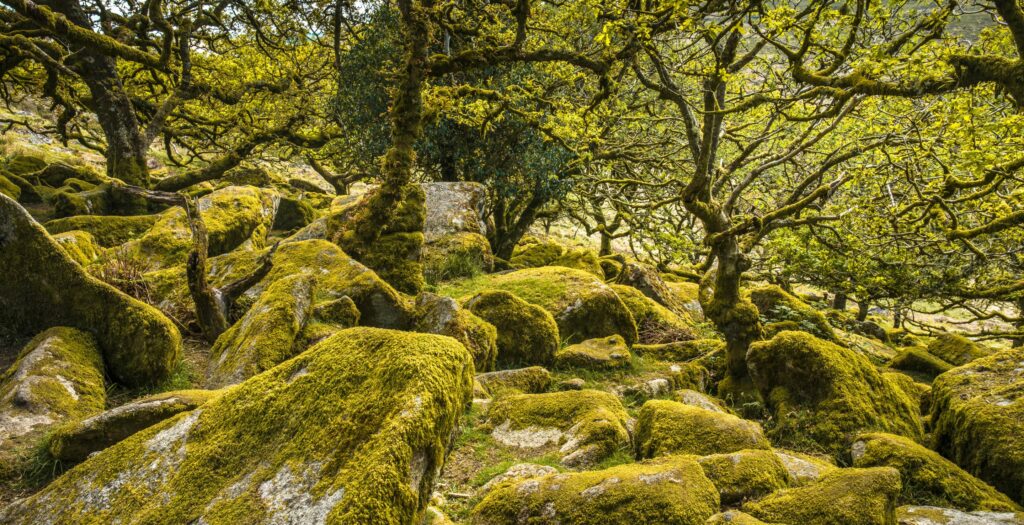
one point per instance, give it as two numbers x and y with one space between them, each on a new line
341 312
385 404
917 360
108 230
928 478
611 266
60 174
68 202
847 496
530 380
745 475
533 252
956 349
266 335
443 316
293 214
734 517
672 491
775 305
9 188
978 418
879 353
582 305
655 323
28 192
74 442
456 256
526 334
587 425
822 394
606 353
668 427
939 516
804 469
580 259
80 246
680 350
140 346
23 164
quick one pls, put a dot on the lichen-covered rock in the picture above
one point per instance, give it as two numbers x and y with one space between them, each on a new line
530 380
57 378
453 207
734 517
878 352
649 282
68 202
654 323
586 425
80 246
455 256
687 294
534 252
43 287
928 478
108 230
606 353
825 393
956 349
233 215
690 397
849 496
580 259
679 350
583 306
776 305
918 361
517 472
668 427
277 449
293 214
74 442
440 315
341 312
803 468
672 491
924 515
266 335
527 333
745 475
978 418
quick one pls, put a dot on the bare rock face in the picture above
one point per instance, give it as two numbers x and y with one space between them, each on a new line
921 515
354 430
43 287
454 207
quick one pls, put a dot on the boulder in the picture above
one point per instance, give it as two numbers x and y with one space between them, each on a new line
672 491
917 361
923 515
74 442
43 287
29 194
440 315
666 427
679 350
649 282
531 380
580 259
848 496
9 188
517 472
776 305
876 351
527 334
80 246
456 256
453 207
266 335
699 400
57 378
254 453
583 306
108 230
928 478
803 469
24 163
956 349
824 393
586 425
745 475
293 213
977 418
606 353
534 252
734 517
654 323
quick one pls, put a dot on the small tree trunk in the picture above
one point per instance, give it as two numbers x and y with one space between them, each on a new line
210 309
606 244
862 310
839 301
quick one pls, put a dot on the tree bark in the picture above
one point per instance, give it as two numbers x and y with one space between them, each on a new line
839 301
862 310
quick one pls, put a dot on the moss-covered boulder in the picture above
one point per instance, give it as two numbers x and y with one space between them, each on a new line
234 215
527 333
440 315
734 517
606 353
666 427
293 213
43 287
586 425
69 202
80 246
74 442
530 380
849 496
28 193
654 323
266 335
9 188
879 353
803 468
690 397
649 282
583 306
956 349
580 259
456 256
821 393
23 163
928 478
278 449
58 377
745 475
108 230
776 305
535 252
58 174
672 491
925 515
919 362
978 418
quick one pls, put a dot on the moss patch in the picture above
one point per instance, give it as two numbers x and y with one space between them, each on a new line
530 380
443 316
108 230
775 305
956 349
847 496
526 334
745 475
668 427
606 353
655 323
919 362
